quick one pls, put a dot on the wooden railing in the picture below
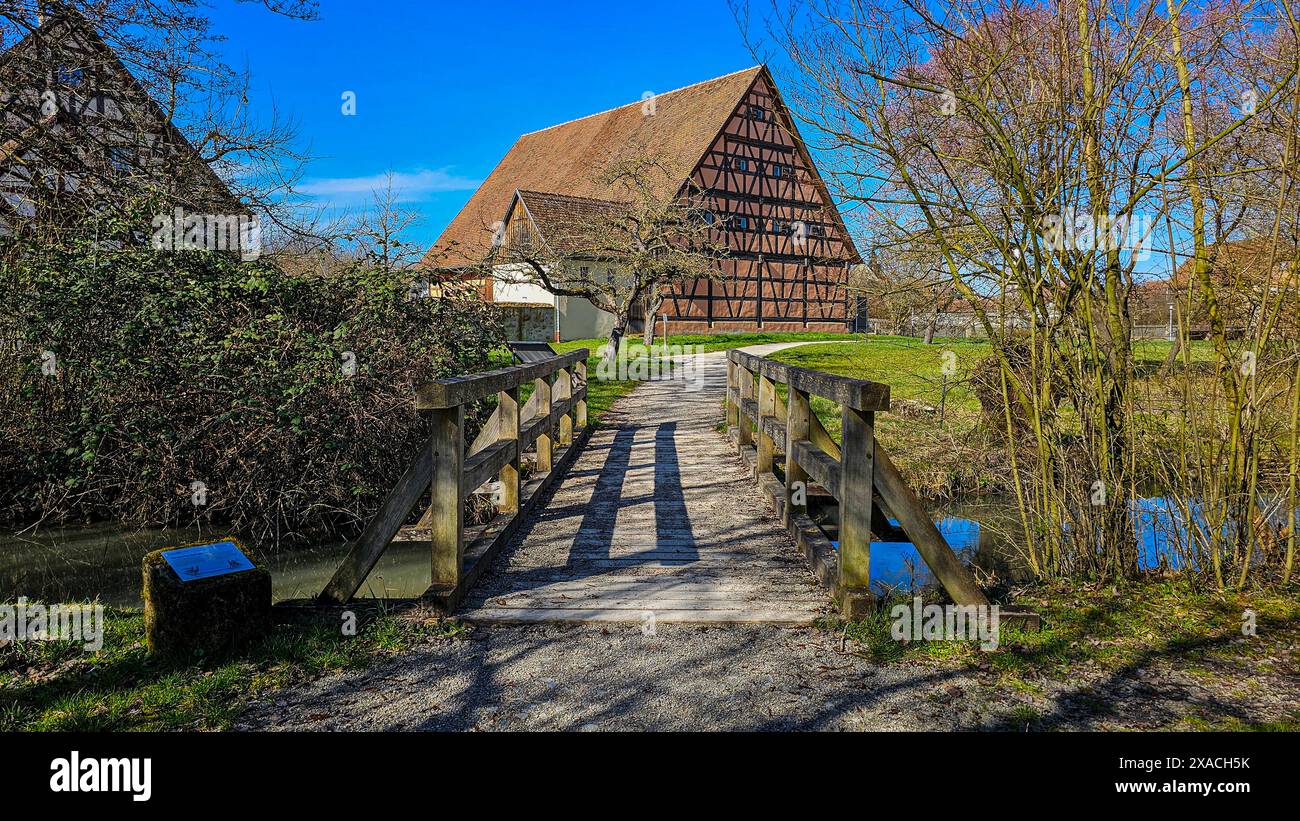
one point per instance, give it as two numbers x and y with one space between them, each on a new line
554 415
857 472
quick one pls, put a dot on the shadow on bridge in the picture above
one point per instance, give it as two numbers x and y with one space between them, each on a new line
620 501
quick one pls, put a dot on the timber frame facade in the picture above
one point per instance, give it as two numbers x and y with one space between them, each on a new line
789 249
80 135
739 154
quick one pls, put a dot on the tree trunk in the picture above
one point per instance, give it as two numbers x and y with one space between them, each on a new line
930 326
652 305
617 332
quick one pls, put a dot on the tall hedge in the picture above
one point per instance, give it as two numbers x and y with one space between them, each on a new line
288 396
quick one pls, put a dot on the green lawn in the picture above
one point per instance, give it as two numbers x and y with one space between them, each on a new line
941 455
709 342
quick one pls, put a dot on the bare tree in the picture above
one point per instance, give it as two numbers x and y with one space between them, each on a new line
1038 145
110 103
616 253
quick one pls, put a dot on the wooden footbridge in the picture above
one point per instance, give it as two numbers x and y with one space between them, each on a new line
657 514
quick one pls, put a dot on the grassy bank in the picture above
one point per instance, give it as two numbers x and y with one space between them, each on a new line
57 686
1159 635
934 431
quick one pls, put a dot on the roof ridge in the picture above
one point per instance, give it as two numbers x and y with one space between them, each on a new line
639 102
525 191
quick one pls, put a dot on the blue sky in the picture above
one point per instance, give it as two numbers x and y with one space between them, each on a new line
444 88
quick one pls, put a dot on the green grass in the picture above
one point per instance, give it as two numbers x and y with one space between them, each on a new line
601 394
57 686
1109 630
942 454
710 342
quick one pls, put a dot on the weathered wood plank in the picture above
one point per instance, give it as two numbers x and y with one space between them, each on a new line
460 390
797 412
447 455
488 463
820 467
922 533
766 411
508 426
859 394
580 372
564 392
380 530
775 428
748 406
855 496
544 388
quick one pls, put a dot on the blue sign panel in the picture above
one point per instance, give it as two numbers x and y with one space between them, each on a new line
207 560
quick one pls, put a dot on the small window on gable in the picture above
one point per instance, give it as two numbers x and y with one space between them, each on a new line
742 223
708 217
71 77
778 170
742 164
757 112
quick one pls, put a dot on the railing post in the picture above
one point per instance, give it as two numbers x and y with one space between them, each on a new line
857 476
732 411
766 410
447 455
745 436
581 415
796 430
566 421
508 402
543 388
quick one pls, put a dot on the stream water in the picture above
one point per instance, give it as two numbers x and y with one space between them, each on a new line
103 562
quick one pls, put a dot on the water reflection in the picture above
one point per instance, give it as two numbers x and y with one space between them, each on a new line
984 534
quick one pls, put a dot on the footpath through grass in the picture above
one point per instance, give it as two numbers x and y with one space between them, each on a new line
602 393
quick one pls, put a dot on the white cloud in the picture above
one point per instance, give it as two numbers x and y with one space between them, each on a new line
409 186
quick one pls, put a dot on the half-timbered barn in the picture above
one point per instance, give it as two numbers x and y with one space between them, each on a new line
729 141
80 135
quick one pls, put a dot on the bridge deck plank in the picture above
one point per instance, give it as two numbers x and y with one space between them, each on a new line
658 515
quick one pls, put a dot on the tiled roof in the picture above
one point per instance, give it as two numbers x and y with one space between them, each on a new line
570 224
1245 260
570 159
